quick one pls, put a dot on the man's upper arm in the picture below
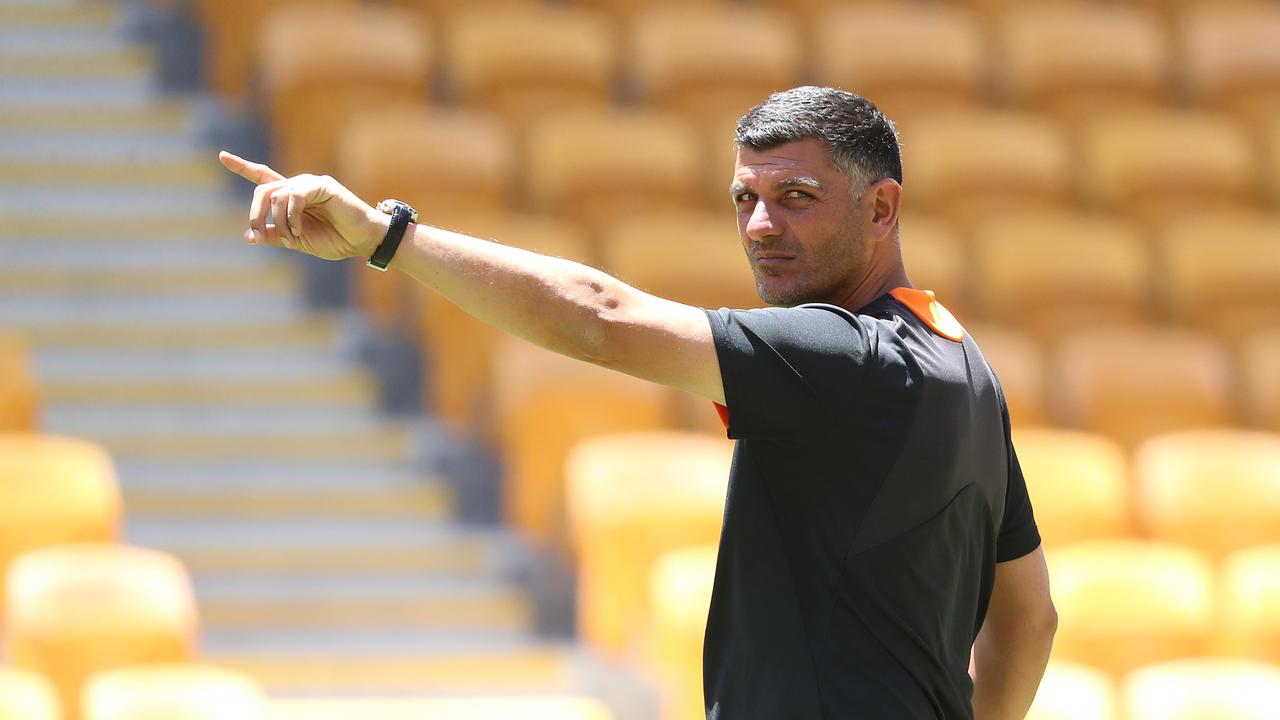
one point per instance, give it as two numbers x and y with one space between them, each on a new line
1021 593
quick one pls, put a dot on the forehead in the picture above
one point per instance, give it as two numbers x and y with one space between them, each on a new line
803 157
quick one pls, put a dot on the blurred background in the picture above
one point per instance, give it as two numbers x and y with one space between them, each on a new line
238 484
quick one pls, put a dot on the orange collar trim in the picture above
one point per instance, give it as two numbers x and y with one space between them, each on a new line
926 307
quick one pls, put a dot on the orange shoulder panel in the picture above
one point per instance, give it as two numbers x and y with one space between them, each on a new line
927 308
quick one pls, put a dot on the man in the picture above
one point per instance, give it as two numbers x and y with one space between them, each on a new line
877 527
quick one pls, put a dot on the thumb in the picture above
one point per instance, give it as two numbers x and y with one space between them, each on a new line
271 237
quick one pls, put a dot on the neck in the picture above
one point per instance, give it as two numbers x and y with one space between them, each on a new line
880 279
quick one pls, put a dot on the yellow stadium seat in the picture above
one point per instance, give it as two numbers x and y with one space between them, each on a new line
1261 365
680 594
704 60
1203 689
458 347
523 60
54 490
439 12
322 65
970 164
19 395
1251 603
1271 157
544 405
1079 485
450 708
73 610
593 167
1231 57
1222 270
712 270
1123 604
1150 163
1050 272
172 692
1134 383
27 696
1020 366
907 58
1074 692
631 498
936 260
1215 490
1069 59
623 11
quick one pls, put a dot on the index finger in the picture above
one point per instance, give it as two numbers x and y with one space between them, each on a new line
251 171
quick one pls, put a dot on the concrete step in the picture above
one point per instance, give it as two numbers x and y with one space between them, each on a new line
278 278
159 225
51 145
350 392
428 502
21 313
24 92
294 477
96 17
95 121
193 364
316 332
170 175
52 62
389 442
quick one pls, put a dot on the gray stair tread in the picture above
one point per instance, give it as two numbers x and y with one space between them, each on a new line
105 202
299 476
212 254
74 147
311 586
176 363
247 534
45 91
20 313
354 643
212 421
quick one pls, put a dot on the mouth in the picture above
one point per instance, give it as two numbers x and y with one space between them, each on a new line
770 261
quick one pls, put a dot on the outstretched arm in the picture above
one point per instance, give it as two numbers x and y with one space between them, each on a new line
1013 646
570 308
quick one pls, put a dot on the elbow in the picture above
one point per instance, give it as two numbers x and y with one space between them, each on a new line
590 339
1047 621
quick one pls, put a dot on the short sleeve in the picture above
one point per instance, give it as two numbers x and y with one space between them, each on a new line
1019 534
788 370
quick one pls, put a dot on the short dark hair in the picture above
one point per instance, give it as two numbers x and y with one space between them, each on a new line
860 140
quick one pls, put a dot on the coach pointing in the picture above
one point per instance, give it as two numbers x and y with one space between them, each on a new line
877 527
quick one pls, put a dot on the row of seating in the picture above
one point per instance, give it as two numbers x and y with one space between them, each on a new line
19 394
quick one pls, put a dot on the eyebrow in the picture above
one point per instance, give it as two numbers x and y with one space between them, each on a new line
738 187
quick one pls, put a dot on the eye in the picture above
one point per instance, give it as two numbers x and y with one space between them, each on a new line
797 195
745 197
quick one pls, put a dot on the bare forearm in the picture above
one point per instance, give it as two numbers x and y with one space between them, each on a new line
1008 666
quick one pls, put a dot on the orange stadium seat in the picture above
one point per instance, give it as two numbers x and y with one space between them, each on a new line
73 610
439 12
1134 383
1079 485
1232 60
323 65
1203 689
680 595
633 497
1020 366
1222 270
19 394
623 11
1074 692
54 490
1251 603
1261 366
1271 157
965 165
1150 163
704 60
1215 490
544 405
591 167
907 58
459 348
26 695
1049 272
529 59
1069 59
172 692
936 260
1123 604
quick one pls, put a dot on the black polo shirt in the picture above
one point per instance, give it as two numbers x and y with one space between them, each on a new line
874 488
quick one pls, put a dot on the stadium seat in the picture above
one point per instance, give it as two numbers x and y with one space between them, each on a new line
1069 59
1203 689
1074 692
1147 164
1123 604
969 164
593 167
936 260
458 347
1251 603
623 11
322 65
1050 272
705 60
1020 366
54 490
1271 157
445 708
19 395
524 60
632 497
544 405
26 695
907 58
680 595
439 12
1215 490
1134 383
73 610
1079 485
693 258
172 692
1261 366
1232 60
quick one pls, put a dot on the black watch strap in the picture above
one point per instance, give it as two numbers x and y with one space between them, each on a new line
401 215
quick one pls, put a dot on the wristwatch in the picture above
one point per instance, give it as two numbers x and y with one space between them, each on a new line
401 215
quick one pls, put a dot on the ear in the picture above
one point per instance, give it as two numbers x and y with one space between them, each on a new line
882 201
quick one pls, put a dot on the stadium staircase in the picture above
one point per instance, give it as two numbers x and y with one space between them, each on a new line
246 432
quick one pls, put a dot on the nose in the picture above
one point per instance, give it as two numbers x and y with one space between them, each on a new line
761 223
